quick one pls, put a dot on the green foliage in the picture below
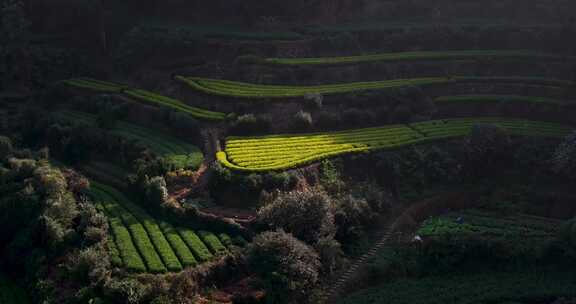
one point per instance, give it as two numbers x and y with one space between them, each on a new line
352 217
249 124
564 158
288 267
201 252
147 244
287 151
156 191
302 121
6 148
308 215
262 91
212 241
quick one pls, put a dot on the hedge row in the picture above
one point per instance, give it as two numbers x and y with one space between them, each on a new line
212 241
140 237
143 243
509 55
466 224
281 152
145 96
130 256
248 90
156 235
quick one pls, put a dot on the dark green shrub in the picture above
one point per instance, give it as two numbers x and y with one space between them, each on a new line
250 124
302 121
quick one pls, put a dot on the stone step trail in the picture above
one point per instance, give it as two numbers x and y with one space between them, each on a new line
343 280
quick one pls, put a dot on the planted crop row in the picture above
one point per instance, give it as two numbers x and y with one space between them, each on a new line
459 99
144 96
142 243
281 152
140 237
516 55
249 90
177 152
494 227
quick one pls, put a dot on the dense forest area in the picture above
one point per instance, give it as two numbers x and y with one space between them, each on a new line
311 151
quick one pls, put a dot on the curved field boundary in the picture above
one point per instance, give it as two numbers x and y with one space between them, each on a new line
459 99
249 90
144 96
509 55
282 152
177 152
144 244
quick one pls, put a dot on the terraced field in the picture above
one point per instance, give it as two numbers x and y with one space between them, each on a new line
249 90
489 225
144 96
507 55
463 99
282 152
177 152
10 293
490 287
140 243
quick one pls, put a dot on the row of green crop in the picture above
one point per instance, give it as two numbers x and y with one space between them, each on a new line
529 286
177 152
464 99
144 96
142 243
249 90
281 152
515 55
465 225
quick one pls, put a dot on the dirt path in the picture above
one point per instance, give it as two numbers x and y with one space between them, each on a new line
352 272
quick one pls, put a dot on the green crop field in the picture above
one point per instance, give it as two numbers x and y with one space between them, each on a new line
144 96
490 287
10 293
463 99
177 152
249 90
490 225
140 243
509 55
282 152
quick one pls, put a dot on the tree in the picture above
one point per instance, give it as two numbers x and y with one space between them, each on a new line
308 215
564 158
6 148
288 267
156 191
352 216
